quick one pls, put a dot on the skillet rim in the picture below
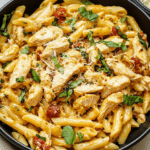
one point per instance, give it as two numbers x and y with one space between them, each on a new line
20 145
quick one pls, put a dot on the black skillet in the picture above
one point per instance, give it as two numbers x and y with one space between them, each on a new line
134 9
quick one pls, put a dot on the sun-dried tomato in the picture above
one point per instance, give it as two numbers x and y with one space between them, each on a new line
53 111
114 32
60 14
41 143
136 62
143 36
76 45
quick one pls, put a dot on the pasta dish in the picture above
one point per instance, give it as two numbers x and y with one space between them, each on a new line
73 75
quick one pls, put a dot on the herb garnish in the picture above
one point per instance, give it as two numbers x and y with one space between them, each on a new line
113 44
142 41
88 14
41 137
22 96
68 135
35 76
130 100
90 36
4 66
71 21
25 50
21 79
30 108
124 36
57 64
86 2
104 67
80 136
124 19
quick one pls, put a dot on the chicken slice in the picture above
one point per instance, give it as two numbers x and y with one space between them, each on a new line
92 53
59 45
35 95
120 69
105 49
109 104
85 102
114 84
69 70
9 54
145 82
45 35
73 53
85 89
139 51
94 77
21 69
18 35
46 83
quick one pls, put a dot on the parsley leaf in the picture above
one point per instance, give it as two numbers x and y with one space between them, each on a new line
104 67
4 22
113 44
57 64
43 138
35 76
22 96
25 50
63 55
70 42
80 136
75 83
124 36
71 21
54 23
70 92
68 135
21 79
88 14
1 81
90 36
63 94
86 2
4 66
142 41
30 108
130 100
124 19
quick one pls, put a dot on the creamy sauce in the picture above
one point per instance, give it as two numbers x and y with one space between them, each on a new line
146 3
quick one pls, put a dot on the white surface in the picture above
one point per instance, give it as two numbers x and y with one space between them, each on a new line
5 145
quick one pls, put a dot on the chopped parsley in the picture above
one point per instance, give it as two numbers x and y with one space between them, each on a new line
21 79
104 67
35 76
57 64
25 50
4 66
80 136
22 96
90 37
124 19
71 21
